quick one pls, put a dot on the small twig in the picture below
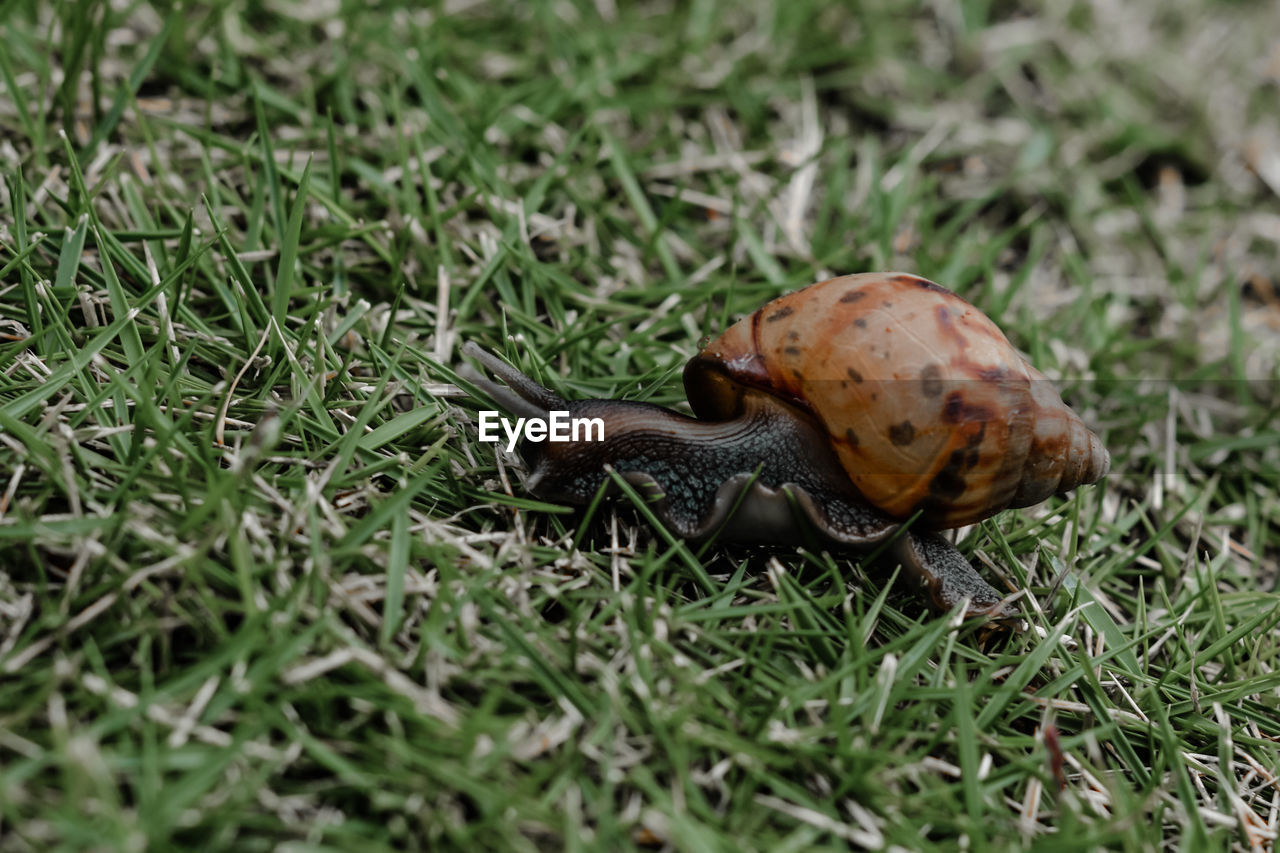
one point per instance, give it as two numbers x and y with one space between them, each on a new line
226 403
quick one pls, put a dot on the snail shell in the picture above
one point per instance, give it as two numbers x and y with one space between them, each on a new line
926 403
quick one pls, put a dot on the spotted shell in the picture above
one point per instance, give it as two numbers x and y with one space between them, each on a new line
926 403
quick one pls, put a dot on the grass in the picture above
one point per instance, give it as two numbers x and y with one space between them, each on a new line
260 585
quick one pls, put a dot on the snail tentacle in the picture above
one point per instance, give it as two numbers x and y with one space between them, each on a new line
520 396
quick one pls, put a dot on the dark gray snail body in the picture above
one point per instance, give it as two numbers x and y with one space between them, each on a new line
838 411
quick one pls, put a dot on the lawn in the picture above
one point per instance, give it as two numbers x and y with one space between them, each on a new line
262 586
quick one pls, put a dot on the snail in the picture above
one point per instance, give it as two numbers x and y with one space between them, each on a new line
841 410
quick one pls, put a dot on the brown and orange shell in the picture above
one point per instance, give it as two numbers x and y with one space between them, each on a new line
927 404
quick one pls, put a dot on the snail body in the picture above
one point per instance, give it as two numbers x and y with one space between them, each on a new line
841 410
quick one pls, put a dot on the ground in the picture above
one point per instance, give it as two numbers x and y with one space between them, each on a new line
261 586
